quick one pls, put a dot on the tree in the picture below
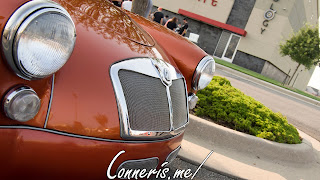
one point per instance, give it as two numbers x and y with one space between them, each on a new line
142 7
303 47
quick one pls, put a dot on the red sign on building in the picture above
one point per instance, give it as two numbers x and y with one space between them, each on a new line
213 2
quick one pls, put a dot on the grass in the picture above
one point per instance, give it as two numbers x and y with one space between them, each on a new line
259 76
228 106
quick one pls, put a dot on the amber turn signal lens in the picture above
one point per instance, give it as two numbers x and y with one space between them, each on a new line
21 104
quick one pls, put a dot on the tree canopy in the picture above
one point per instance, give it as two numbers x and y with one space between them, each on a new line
303 46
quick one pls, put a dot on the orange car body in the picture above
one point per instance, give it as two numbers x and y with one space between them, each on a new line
79 135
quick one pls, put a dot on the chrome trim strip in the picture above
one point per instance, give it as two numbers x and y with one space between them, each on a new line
80 136
200 67
138 160
169 158
145 66
170 108
185 85
50 102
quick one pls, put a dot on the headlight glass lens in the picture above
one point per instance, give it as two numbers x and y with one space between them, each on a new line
44 43
204 73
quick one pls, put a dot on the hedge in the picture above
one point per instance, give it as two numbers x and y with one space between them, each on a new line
227 105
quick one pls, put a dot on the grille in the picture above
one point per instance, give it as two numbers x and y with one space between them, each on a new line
146 100
150 106
179 103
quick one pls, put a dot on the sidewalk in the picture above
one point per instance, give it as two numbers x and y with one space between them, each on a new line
248 157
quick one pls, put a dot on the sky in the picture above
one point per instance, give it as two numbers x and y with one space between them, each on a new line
315 78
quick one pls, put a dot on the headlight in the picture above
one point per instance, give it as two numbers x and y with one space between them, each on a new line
38 39
203 73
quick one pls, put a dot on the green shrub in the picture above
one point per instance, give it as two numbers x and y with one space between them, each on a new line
227 105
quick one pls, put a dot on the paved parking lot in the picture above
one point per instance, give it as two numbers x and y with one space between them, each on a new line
203 174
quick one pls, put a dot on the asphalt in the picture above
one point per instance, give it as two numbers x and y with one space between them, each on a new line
303 115
178 165
239 155
273 87
275 90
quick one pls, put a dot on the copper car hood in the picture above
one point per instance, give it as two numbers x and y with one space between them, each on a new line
107 20
83 101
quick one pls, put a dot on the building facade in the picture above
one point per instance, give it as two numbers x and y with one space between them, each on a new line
248 32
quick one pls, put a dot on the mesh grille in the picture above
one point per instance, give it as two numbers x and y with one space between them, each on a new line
179 103
146 100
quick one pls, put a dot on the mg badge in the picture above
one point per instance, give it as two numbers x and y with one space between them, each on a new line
164 71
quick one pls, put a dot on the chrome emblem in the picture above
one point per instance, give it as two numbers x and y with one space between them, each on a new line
164 71
166 74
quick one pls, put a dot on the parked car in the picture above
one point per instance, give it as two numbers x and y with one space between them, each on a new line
88 90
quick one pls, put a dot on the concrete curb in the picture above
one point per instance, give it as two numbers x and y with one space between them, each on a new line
269 85
248 157
233 140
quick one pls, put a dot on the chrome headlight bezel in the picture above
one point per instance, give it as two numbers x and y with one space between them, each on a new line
206 61
15 26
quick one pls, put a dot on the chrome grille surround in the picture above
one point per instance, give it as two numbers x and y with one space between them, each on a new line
154 68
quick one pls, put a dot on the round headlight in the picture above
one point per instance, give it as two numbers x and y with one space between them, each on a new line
203 73
21 104
38 39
